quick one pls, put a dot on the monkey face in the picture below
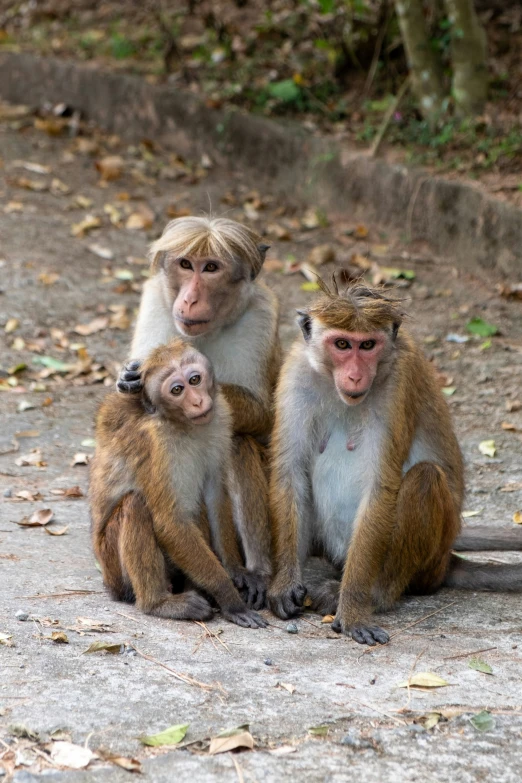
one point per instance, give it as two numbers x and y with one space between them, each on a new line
206 292
184 389
354 358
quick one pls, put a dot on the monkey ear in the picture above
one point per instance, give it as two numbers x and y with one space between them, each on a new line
305 323
262 250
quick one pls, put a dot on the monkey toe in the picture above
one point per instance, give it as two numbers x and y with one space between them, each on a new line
289 603
245 618
362 634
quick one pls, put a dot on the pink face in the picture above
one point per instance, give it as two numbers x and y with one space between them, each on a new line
202 288
355 357
184 390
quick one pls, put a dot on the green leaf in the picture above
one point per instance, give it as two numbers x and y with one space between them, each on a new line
483 721
482 328
53 364
485 345
310 286
286 90
233 731
423 680
171 736
488 448
449 391
480 666
318 731
396 274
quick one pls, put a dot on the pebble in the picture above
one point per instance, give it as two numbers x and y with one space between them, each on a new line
22 616
8 493
292 628
268 662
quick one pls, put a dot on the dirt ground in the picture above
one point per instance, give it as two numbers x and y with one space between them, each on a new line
283 685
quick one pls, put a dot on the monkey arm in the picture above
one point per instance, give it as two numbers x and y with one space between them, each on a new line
250 416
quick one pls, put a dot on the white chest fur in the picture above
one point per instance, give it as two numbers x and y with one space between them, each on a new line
343 471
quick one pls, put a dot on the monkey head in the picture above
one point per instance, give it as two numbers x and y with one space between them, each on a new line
350 337
178 383
208 265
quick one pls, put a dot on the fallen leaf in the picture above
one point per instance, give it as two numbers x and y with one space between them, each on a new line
24 405
70 492
360 231
431 720
101 252
309 286
113 213
39 518
230 740
59 637
482 721
110 647
119 318
468 514
488 448
71 756
278 232
512 486
37 185
82 202
5 639
319 731
84 226
110 167
283 750
423 680
21 731
310 219
27 434
321 254
171 736
361 261
81 459
35 168
517 517
86 625
480 666
286 686
53 364
11 325
328 618
33 459
512 406
48 278
510 290
481 328
24 494
57 531
123 274
53 126
97 325
449 391
131 765
508 426
140 220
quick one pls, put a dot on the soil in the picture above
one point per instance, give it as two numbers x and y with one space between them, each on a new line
52 284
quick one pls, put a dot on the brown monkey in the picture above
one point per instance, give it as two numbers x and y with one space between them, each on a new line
366 468
205 287
157 476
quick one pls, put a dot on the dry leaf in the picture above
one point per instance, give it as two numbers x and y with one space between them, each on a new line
59 637
517 517
35 168
488 448
119 318
101 252
508 426
54 126
113 213
39 518
97 325
110 647
328 618
283 750
286 686
48 278
225 742
85 225
5 639
310 219
322 254
11 325
70 492
278 232
24 494
33 459
110 167
140 220
512 406
360 231
131 765
512 486
361 261
423 680
57 531
66 754
469 514
81 459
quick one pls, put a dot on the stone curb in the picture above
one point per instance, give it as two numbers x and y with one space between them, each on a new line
457 220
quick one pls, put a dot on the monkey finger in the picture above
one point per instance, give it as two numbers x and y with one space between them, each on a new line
246 619
299 594
362 634
131 387
133 365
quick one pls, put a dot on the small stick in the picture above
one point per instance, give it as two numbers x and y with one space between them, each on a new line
387 117
186 678
213 634
421 619
128 616
465 655
238 770
60 595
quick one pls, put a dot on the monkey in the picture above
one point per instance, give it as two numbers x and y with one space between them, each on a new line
205 288
156 479
366 469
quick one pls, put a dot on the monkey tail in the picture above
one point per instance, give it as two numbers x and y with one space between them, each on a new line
469 575
482 539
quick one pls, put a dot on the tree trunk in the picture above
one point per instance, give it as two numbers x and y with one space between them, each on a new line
468 56
424 65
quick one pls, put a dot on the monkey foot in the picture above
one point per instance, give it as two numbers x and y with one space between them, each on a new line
252 586
325 598
129 380
184 606
289 602
363 634
246 618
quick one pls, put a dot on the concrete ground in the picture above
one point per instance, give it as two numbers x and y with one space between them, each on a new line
51 283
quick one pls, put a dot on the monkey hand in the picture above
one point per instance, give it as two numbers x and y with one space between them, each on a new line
288 601
361 633
241 615
252 585
129 380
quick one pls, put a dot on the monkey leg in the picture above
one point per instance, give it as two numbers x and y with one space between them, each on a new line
323 583
249 493
143 563
420 548
106 548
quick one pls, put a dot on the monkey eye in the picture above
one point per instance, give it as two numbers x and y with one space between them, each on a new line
211 267
195 380
185 263
343 345
367 345
176 389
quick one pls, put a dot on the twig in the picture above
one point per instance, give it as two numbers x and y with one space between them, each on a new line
238 770
377 52
387 117
465 655
213 635
186 678
128 616
380 712
421 619
412 669
60 595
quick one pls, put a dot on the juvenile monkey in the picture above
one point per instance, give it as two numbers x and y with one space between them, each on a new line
366 469
156 478
205 288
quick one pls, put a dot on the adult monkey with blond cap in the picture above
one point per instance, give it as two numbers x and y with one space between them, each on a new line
205 288
367 471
